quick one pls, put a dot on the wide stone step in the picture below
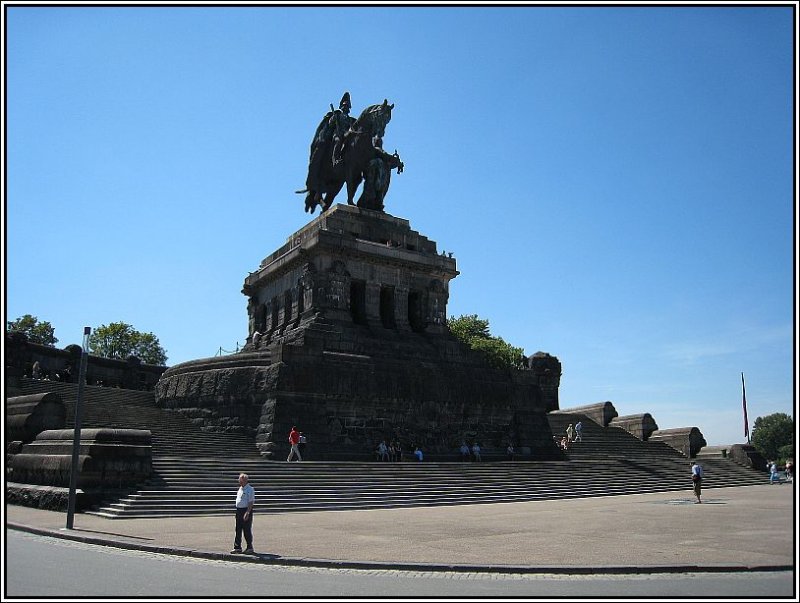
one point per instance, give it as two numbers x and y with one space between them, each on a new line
348 504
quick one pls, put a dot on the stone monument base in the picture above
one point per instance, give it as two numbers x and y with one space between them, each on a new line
349 342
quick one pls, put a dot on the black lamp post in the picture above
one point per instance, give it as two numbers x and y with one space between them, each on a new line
76 439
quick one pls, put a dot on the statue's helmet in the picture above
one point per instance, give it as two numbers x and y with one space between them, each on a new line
344 104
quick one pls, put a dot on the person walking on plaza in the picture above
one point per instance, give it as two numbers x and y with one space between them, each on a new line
789 468
294 440
579 432
697 480
245 499
773 473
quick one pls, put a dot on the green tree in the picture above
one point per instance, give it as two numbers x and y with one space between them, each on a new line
37 331
120 340
474 332
773 436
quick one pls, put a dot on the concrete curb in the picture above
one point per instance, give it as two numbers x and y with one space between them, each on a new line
276 560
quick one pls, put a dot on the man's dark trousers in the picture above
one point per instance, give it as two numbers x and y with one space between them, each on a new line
246 525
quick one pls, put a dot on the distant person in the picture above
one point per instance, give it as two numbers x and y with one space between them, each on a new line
464 451
789 469
294 440
418 453
697 480
245 499
564 443
579 432
476 452
570 432
510 451
301 444
256 339
383 451
773 473
36 371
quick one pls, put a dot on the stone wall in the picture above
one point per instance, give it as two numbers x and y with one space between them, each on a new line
347 402
64 365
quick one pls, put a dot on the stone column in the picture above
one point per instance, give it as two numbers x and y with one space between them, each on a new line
401 308
373 305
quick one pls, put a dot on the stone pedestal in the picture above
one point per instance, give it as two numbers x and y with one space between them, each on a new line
354 349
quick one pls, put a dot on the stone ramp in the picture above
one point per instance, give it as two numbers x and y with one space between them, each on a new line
173 433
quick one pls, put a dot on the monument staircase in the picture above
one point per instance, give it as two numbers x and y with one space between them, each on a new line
195 471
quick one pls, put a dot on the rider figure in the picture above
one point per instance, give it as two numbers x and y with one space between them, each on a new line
329 134
342 125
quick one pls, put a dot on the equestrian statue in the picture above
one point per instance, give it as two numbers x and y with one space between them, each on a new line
350 151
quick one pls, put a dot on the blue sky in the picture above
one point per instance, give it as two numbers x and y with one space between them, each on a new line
616 184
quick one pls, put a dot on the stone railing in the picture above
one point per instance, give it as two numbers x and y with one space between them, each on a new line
641 425
27 416
601 413
747 455
687 440
107 458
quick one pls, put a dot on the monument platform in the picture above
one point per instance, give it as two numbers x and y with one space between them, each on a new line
348 341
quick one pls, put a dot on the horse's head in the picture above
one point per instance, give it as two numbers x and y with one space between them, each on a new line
374 118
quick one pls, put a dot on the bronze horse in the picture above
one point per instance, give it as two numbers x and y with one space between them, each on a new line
348 164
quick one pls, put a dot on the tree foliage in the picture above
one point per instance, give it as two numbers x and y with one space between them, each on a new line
474 332
37 331
773 436
121 340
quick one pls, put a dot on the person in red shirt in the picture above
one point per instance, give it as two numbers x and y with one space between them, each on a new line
294 440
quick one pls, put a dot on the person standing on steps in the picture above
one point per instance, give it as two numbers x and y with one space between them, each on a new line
697 480
579 432
570 433
245 499
476 452
294 440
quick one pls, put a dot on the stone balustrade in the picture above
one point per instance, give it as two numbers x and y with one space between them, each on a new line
688 440
601 413
107 458
27 416
641 425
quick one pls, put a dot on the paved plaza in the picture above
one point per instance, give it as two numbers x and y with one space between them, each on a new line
735 529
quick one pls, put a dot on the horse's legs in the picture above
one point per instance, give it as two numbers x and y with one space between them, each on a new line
311 202
352 186
330 195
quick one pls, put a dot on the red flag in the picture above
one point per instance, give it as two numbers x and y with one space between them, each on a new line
744 408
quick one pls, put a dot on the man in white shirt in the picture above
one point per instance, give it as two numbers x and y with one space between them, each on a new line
245 499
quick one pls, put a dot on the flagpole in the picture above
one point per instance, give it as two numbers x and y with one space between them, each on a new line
744 409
